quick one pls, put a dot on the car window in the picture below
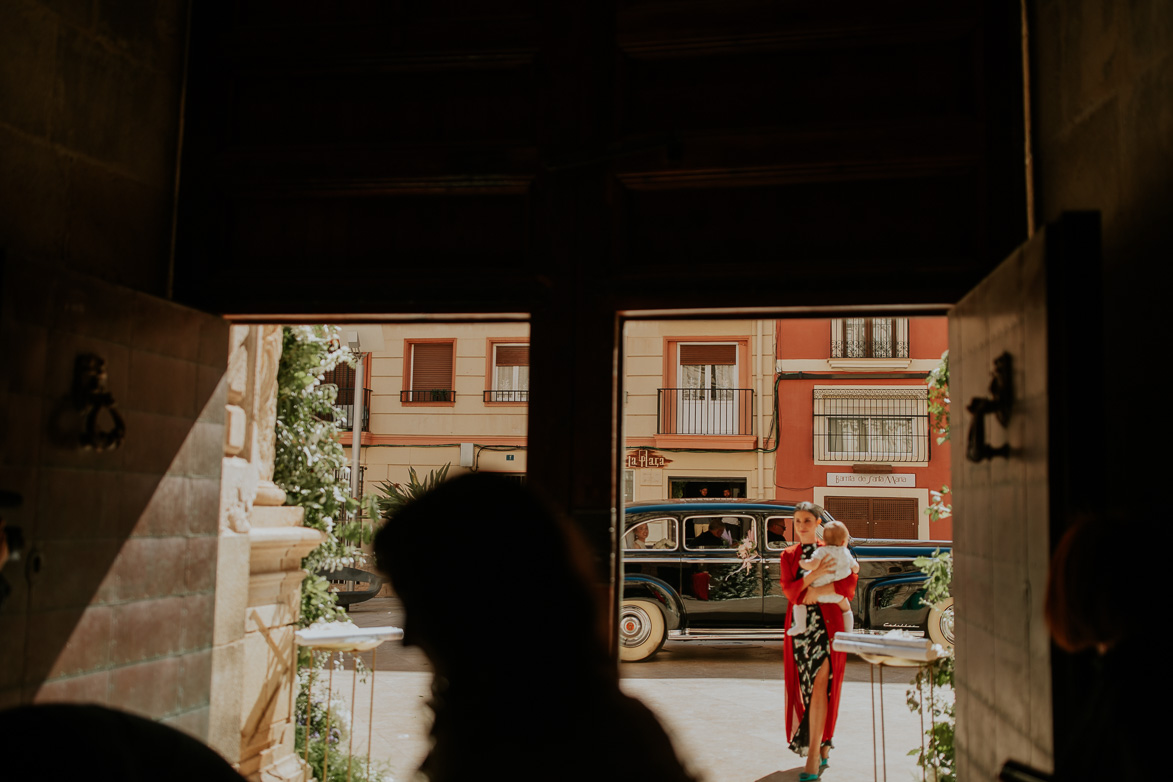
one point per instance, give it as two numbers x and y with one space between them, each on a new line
782 534
652 534
716 531
779 532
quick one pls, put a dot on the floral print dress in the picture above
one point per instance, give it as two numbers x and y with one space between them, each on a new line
811 649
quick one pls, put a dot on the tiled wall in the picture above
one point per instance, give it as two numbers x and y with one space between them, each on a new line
120 611
1001 535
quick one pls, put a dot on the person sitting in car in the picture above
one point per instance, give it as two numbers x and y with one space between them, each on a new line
640 536
776 531
716 536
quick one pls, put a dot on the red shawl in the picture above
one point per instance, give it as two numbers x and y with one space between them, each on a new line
792 586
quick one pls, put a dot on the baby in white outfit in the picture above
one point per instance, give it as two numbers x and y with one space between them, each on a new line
835 536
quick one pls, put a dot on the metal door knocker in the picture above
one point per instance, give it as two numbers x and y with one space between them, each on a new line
1000 402
91 397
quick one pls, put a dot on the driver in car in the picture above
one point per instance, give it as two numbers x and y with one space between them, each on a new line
716 536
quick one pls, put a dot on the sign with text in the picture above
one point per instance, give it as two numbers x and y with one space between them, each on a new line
891 480
643 458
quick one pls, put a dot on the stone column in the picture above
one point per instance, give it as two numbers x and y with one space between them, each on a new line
258 577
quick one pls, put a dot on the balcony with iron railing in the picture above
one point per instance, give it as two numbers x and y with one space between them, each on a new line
869 338
705 411
493 395
415 395
869 348
344 401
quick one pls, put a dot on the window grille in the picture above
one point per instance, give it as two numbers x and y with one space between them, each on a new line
871 425
869 338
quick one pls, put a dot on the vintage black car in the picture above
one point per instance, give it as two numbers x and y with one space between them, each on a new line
705 569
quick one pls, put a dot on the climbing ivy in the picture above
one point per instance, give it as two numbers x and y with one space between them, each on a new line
310 460
932 693
938 381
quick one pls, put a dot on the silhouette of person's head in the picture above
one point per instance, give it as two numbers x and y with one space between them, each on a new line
533 583
523 677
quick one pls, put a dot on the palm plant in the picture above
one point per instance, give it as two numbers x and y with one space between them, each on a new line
395 495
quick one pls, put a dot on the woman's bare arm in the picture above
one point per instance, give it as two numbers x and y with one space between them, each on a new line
814 593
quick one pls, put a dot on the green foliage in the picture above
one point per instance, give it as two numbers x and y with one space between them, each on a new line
931 692
396 495
309 458
939 414
309 464
329 729
938 570
938 381
938 508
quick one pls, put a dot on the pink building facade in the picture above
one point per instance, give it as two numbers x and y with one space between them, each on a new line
854 430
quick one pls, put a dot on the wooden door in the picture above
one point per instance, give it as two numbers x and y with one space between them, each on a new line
121 537
1039 307
895 518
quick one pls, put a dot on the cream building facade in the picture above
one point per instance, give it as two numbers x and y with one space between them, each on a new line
437 394
698 408
698 403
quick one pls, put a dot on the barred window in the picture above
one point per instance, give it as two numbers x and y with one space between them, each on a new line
869 338
871 424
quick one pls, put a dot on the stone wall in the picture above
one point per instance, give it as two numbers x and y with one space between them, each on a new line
258 575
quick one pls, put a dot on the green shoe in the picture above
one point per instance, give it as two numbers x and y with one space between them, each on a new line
823 765
805 777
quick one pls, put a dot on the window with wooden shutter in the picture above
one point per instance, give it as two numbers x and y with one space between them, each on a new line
708 355
510 373
431 373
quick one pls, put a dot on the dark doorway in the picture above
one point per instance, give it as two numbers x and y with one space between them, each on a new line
708 488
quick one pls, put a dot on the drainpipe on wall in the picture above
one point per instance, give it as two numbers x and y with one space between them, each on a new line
761 410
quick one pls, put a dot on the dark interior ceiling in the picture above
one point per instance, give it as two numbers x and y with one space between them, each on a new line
492 155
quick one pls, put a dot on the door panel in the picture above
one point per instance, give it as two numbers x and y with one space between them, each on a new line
1039 306
120 538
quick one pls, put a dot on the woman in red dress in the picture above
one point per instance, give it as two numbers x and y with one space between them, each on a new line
814 673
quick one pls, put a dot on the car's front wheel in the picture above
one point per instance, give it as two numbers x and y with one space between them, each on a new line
940 625
641 630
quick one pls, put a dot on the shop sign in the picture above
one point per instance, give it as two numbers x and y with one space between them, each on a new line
643 458
891 480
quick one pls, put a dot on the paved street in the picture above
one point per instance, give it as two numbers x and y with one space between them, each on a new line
720 701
